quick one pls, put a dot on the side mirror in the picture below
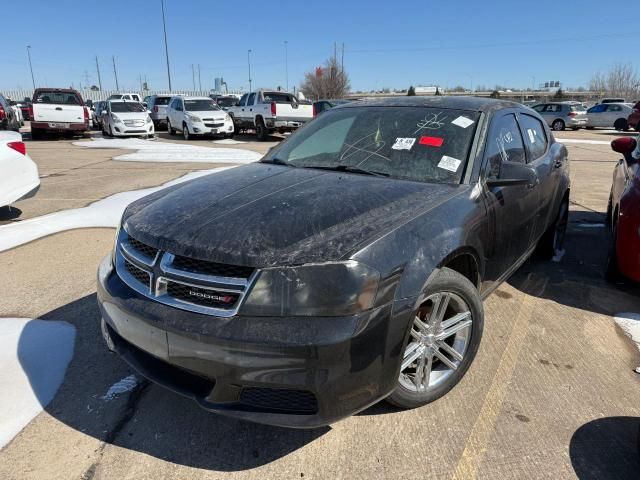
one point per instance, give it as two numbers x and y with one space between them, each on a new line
624 145
103 112
512 174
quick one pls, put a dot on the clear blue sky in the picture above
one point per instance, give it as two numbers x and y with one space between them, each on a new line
387 44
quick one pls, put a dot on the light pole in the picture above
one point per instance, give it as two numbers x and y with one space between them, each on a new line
249 63
115 72
98 69
31 66
166 48
286 63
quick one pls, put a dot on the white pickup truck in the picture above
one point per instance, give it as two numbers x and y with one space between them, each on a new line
58 110
269 111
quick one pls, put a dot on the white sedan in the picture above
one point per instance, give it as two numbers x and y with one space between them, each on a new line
121 118
198 116
18 173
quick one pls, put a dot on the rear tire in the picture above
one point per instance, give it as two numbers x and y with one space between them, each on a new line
36 134
261 130
557 125
553 239
621 125
427 338
611 272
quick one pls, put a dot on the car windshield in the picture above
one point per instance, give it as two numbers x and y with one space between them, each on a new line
411 143
127 107
58 98
200 105
161 101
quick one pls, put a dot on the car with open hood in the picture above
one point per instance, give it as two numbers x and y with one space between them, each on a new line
347 266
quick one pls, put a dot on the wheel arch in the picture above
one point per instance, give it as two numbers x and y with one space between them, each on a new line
466 261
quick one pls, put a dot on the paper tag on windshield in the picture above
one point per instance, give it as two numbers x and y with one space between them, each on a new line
463 122
449 163
403 143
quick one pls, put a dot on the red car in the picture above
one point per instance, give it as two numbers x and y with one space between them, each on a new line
634 119
623 212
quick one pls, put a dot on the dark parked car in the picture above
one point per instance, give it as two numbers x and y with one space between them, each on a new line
8 118
225 101
347 266
623 212
323 105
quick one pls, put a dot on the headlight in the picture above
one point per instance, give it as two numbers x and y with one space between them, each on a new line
115 118
148 119
115 243
329 289
193 118
227 118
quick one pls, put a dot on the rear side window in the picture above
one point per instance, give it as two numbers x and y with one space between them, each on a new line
614 108
553 108
57 98
278 97
534 135
504 144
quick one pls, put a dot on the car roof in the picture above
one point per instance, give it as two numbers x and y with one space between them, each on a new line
196 98
122 100
477 104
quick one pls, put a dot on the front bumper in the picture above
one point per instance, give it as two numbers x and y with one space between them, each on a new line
122 130
296 372
202 128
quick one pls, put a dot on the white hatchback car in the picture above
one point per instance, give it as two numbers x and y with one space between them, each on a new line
122 118
18 173
198 116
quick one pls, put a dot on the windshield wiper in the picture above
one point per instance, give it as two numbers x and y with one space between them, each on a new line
351 169
277 161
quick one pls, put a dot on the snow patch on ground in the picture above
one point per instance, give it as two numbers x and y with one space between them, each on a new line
125 385
228 141
630 324
154 151
34 355
586 142
103 213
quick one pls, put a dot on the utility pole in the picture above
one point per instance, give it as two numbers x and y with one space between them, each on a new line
31 66
286 63
199 78
249 62
193 74
166 48
342 59
115 73
98 69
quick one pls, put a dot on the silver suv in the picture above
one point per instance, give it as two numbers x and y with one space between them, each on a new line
157 106
562 115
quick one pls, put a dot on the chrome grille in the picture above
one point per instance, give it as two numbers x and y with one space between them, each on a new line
134 123
182 282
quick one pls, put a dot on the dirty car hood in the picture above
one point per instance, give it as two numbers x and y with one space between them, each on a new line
264 215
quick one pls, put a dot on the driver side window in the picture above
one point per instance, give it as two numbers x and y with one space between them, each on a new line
504 144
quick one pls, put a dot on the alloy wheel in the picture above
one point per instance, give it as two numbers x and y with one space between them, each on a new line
440 335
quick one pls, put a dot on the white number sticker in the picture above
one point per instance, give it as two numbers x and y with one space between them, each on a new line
449 163
463 122
403 143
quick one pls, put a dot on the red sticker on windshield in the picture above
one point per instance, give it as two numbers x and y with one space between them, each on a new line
431 141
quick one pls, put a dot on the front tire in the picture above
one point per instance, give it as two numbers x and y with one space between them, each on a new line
611 272
557 125
442 342
185 132
170 129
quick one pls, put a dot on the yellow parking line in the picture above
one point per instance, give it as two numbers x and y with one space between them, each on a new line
483 428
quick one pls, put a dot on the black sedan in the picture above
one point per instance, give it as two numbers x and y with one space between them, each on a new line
347 266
